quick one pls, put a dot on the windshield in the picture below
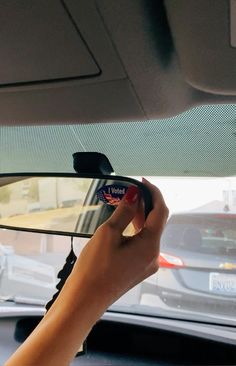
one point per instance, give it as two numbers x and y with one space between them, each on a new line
197 275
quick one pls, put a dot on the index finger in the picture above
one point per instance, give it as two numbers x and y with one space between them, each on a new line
139 218
157 218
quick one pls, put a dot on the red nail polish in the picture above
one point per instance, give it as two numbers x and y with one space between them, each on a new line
144 180
132 194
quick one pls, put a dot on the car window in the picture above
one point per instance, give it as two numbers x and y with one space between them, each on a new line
197 142
201 233
197 261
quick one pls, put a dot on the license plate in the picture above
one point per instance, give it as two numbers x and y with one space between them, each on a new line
222 283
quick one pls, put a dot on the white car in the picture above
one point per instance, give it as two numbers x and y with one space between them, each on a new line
23 279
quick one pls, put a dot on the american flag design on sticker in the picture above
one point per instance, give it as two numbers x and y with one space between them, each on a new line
111 194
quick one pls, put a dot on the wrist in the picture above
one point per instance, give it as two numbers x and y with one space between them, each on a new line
82 298
97 289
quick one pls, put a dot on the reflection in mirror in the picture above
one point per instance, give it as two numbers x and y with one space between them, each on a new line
60 204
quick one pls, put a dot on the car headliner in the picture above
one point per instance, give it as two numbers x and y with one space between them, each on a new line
199 142
85 64
89 61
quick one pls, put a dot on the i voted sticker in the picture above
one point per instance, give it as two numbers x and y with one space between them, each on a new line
111 194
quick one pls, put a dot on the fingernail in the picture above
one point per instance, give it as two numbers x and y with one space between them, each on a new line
144 180
132 194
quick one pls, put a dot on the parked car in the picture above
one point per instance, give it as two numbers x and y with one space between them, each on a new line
24 279
197 264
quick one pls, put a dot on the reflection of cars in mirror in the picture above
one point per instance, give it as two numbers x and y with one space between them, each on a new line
197 265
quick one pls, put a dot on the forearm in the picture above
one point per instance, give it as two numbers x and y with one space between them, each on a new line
63 329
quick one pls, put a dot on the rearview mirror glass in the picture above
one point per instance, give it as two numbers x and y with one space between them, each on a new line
63 204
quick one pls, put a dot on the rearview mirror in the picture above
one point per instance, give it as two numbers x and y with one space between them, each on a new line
66 204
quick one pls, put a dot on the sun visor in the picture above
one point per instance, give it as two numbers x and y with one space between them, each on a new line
204 33
40 42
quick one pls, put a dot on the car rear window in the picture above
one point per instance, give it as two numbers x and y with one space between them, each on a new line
209 234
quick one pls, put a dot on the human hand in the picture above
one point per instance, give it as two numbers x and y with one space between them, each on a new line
108 266
111 264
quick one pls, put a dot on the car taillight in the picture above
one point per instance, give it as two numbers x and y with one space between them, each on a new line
170 261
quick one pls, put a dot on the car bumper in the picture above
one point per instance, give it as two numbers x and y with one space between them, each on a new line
200 303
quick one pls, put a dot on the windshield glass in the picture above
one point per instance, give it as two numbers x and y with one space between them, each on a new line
197 274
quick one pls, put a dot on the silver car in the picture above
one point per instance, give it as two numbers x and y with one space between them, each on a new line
197 265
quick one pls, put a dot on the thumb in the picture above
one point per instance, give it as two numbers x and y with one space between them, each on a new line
126 210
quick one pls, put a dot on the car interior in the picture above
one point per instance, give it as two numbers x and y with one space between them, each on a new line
152 85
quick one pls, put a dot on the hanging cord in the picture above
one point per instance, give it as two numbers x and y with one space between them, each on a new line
64 273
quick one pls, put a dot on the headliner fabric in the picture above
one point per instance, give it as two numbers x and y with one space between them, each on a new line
199 142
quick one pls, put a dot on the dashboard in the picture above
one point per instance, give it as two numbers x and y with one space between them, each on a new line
122 339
